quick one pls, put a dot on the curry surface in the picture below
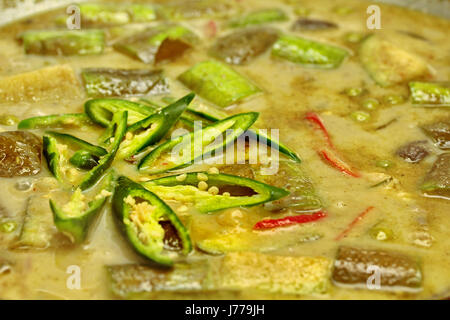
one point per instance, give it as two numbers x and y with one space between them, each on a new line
289 92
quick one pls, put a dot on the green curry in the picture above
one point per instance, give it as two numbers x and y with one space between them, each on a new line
225 149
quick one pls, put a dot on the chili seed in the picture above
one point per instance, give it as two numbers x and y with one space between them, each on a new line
202 185
213 170
213 190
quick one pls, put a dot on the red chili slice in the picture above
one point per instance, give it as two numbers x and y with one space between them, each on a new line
275 223
315 119
353 223
338 163
211 29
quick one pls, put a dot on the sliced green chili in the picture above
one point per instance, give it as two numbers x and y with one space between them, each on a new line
120 127
84 160
218 83
162 158
78 143
101 111
75 217
153 128
151 227
86 154
194 112
219 191
55 121
65 42
53 156
308 53
214 114
435 94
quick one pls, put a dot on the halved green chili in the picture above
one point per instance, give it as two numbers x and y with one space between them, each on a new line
219 191
74 218
162 158
151 227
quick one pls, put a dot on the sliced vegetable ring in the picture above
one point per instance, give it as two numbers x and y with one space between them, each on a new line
149 224
212 192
